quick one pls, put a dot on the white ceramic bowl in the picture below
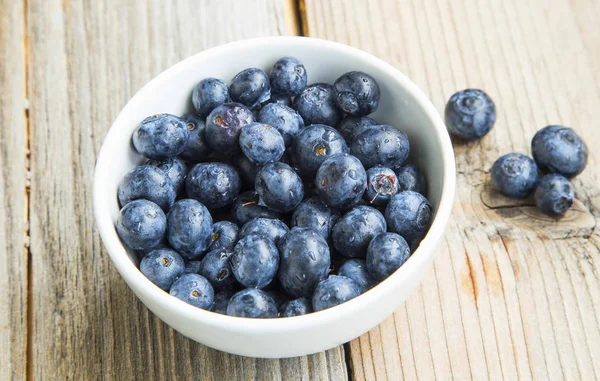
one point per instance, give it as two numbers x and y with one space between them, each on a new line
402 105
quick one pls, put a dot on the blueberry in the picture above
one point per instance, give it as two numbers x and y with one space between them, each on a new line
296 307
316 105
356 269
470 114
255 261
216 267
162 267
261 143
554 194
174 168
279 99
213 184
279 187
193 289
288 77
285 119
514 175
382 184
278 297
352 125
250 87
149 183
223 126
252 303
313 213
386 253
304 261
410 178
409 214
246 169
225 235
558 149
353 232
189 228
272 229
141 225
341 180
197 148
313 145
382 144
246 207
357 93
208 94
161 136
221 301
192 267
334 291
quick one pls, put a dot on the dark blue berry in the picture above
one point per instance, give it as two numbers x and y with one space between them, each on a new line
250 87
409 214
246 207
261 143
514 175
189 228
272 229
255 261
350 126
381 145
252 303
316 105
558 149
296 307
193 289
356 269
341 181
197 148
288 77
225 235
279 187
470 114
382 184
410 178
285 119
162 267
221 301
161 136
334 291
313 213
213 184
223 127
192 267
149 183
357 93
353 232
305 261
208 94
386 253
554 194
174 168
313 145
141 225
216 268
246 169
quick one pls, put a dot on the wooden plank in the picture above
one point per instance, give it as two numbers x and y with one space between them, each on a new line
13 218
87 59
512 294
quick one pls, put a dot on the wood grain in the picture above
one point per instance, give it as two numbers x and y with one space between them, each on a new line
87 59
513 294
13 215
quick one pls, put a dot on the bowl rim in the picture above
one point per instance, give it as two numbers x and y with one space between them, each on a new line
131 274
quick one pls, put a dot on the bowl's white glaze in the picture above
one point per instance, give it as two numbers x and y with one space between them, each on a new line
402 105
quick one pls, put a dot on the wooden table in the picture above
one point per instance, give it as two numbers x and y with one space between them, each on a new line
512 294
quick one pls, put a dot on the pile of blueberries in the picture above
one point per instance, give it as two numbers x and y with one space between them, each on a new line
273 198
559 154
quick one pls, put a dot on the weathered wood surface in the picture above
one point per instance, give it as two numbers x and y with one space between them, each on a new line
86 60
512 295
